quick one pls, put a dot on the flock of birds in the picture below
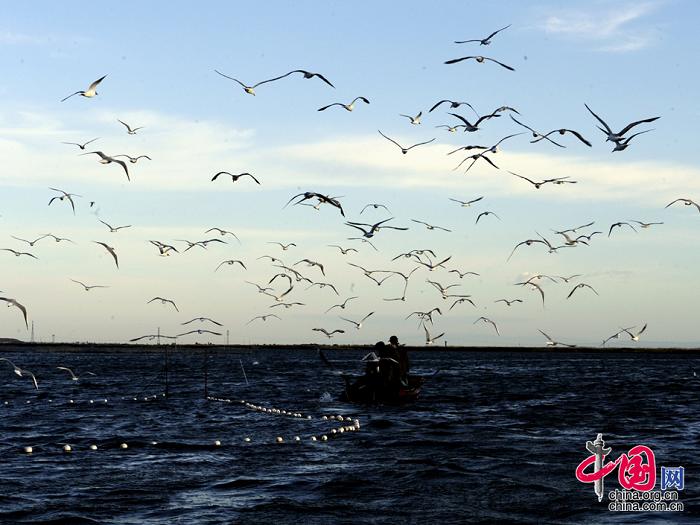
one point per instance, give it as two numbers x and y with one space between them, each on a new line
433 268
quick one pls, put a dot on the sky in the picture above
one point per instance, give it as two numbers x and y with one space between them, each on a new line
626 60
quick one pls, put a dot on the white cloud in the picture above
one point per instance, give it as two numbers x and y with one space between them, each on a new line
612 27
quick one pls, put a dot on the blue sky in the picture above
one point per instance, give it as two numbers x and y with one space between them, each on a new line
627 60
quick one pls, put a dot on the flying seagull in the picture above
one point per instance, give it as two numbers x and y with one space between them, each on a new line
249 89
263 318
405 150
617 137
72 374
134 160
466 204
199 332
483 41
17 254
12 302
164 301
129 129
234 178
201 320
414 120
91 91
375 206
88 287
327 333
358 324
480 60
341 305
106 159
113 229
430 226
428 339
81 146
581 285
563 131
373 228
110 250
468 126
65 195
687 202
552 342
231 262
453 105
536 134
635 337
347 107
489 321
486 214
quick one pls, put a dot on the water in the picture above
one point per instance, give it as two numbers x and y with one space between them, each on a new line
494 437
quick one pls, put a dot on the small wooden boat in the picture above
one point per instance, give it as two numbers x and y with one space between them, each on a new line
369 389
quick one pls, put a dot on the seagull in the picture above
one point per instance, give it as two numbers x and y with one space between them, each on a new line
357 324
223 232
17 254
201 320
430 226
129 129
423 316
327 333
508 303
687 202
91 91
539 184
199 332
134 160
322 199
635 337
536 134
375 206
110 250
620 224
647 224
65 195
284 247
347 107
486 214
462 274
552 342
163 301
164 249
344 251
474 158
567 279
288 305
534 286
231 262
234 178
30 243
528 242
17 370
113 229
283 276
460 301
581 285
307 75
261 289
280 297
405 150
487 320
324 285
414 120
468 126
373 228
453 105
491 149
483 41
428 339
81 146
451 129
87 287
442 289
480 60
432 266
562 131
151 336
617 137
466 204
106 159
263 318
622 144
616 335
249 89
12 302
312 263
72 375
341 305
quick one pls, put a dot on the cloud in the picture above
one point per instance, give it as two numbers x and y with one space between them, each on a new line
611 29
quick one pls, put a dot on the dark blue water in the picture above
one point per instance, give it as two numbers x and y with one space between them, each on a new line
494 438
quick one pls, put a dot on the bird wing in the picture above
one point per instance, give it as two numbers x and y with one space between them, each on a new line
421 143
607 128
500 63
251 176
329 105
231 78
69 96
455 60
390 140
631 125
123 165
578 136
94 85
125 124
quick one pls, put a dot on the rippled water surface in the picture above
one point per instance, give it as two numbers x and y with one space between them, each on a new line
494 438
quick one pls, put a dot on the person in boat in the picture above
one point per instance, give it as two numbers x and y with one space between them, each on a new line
401 354
389 369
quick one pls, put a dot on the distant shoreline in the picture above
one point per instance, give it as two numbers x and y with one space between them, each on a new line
7 346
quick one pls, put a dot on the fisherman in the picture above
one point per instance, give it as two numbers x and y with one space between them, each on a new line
388 366
401 355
